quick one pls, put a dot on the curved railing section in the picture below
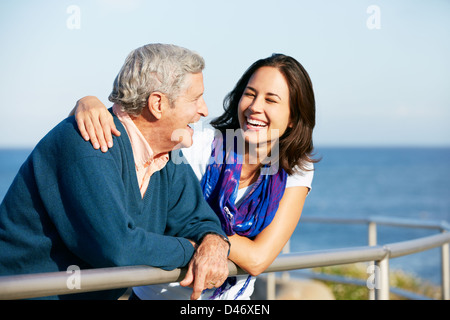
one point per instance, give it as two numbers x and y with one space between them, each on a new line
57 283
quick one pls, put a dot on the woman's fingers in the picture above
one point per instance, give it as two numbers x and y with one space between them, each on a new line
106 128
90 130
95 123
82 129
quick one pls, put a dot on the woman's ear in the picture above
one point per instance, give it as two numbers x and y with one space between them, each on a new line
290 124
155 104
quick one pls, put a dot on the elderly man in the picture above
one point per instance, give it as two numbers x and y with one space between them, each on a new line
73 205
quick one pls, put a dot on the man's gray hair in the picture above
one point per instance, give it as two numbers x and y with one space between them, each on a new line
153 68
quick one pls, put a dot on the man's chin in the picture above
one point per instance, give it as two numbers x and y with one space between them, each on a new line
187 145
184 143
183 138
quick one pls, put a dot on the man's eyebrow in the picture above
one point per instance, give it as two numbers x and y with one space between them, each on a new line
268 93
199 95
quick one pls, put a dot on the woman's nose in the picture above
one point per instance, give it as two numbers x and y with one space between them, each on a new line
256 106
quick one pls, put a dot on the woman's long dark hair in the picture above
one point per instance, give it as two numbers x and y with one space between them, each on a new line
295 145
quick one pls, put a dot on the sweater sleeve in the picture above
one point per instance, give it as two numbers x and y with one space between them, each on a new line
96 225
190 216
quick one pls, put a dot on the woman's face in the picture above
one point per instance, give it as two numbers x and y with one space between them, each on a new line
264 113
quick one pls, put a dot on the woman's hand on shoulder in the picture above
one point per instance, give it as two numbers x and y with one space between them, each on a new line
95 122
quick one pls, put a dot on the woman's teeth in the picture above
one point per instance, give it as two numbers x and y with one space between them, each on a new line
256 123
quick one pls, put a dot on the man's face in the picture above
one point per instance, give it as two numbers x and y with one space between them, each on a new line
187 109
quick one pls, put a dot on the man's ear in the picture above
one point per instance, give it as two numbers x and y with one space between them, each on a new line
155 104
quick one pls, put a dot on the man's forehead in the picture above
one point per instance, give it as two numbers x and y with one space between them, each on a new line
194 84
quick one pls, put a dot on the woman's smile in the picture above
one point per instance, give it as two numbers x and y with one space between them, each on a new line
255 124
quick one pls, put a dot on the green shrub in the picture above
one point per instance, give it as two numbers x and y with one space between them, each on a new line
397 278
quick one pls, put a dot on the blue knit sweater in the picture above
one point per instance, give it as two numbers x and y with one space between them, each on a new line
73 205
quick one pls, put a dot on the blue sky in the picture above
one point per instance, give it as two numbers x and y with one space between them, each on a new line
387 86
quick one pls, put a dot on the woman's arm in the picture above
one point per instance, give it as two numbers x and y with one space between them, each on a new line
254 256
95 122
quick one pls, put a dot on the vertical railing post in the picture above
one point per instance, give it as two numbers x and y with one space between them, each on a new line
287 249
271 286
372 233
372 239
445 265
382 279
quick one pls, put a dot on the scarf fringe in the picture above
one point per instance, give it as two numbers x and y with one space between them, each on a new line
227 285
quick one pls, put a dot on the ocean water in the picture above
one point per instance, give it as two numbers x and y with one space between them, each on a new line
412 183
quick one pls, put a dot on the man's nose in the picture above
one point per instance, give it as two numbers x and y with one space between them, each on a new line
203 108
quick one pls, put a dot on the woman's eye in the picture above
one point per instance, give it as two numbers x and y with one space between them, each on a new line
270 101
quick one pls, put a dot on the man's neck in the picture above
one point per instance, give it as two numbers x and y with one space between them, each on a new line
152 134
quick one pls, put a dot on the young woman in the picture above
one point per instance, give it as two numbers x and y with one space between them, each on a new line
257 187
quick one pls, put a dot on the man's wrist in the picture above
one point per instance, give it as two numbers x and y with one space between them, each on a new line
224 238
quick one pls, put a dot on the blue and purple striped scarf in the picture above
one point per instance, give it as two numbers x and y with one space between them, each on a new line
220 186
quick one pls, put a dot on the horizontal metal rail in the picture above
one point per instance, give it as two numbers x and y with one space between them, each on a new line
56 283
404 248
380 220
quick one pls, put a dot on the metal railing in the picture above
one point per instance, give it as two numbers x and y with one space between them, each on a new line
56 283
399 249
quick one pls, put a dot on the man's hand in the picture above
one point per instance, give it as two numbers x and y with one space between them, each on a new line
208 267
